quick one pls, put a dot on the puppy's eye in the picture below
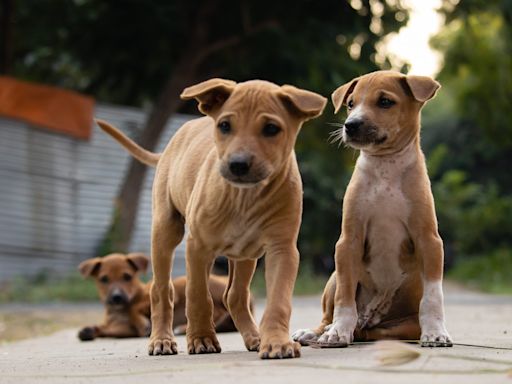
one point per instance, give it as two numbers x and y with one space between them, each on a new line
127 277
350 104
224 127
104 279
270 130
384 102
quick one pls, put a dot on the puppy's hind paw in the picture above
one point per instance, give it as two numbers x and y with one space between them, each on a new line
304 336
163 346
436 339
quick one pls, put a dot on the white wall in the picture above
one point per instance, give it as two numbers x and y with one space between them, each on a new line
56 193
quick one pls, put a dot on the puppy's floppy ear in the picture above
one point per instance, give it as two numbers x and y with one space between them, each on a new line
90 267
339 96
139 261
305 104
423 88
210 94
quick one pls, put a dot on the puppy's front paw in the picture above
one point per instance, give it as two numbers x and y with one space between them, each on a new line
279 350
304 336
162 346
203 344
337 335
87 333
436 338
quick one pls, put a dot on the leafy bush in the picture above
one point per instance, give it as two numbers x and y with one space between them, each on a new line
491 273
475 218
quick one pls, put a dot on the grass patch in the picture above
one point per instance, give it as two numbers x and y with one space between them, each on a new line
45 288
491 273
308 283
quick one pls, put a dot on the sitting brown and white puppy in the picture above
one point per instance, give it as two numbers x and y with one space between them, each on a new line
232 176
126 298
389 258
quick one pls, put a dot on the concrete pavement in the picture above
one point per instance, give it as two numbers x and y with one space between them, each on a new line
472 318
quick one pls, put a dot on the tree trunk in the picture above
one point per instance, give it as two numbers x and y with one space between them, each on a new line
6 30
184 73
123 222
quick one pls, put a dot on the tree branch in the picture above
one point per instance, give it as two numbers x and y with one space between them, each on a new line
231 41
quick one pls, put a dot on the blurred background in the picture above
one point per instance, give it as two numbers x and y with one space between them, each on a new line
67 196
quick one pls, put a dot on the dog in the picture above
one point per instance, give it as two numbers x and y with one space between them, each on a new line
126 298
389 257
233 178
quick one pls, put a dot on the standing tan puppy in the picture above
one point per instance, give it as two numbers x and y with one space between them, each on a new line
389 258
233 178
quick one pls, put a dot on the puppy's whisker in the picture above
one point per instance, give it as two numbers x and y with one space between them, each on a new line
336 136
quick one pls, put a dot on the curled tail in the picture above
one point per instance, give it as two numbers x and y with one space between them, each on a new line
144 156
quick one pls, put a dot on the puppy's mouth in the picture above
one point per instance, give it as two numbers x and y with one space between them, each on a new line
365 140
117 307
243 183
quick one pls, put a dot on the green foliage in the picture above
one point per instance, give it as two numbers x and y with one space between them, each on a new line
123 51
490 272
468 139
476 219
478 69
325 170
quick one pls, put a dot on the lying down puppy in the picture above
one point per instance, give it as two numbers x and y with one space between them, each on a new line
126 298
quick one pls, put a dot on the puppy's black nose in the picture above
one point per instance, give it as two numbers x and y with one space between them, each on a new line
117 298
352 126
239 165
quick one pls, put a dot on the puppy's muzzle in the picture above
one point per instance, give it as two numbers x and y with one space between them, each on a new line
239 165
241 170
117 298
360 133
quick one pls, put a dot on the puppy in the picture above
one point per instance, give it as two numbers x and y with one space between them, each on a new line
233 178
126 298
389 258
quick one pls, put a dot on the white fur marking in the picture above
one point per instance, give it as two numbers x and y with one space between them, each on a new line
304 335
386 209
357 113
343 326
433 330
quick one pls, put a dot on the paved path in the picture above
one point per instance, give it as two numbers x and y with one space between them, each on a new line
472 318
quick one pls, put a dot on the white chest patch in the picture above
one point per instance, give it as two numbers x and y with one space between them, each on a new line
386 211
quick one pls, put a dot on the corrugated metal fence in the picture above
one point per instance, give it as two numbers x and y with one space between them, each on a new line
56 194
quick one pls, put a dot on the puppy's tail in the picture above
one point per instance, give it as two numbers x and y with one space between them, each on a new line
144 156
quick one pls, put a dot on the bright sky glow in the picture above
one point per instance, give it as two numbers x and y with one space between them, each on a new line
411 43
